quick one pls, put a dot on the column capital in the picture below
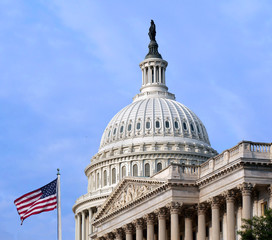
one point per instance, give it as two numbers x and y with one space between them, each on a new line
174 207
150 218
189 213
139 223
201 208
161 212
129 228
215 202
246 188
230 195
110 236
118 232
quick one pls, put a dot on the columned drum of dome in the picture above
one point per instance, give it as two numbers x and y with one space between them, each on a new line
144 138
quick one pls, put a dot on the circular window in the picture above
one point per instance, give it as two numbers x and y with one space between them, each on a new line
176 124
147 125
185 126
192 127
157 124
129 127
121 129
167 125
138 126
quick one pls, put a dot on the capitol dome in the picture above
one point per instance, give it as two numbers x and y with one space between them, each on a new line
154 119
146 136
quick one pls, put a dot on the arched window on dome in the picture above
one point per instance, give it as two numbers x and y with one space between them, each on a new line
138 126
129 127
121 129
176 125
97 180
167 125
192 127
147 170
147 125
124 171
157 124
113 176
105 178
184 126
135 170
159 167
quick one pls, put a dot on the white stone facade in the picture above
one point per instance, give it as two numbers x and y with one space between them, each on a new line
156 176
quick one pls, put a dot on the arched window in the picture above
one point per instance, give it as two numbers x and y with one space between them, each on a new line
113 176
135 170
167 125
157 123
124 171
159 167
147 170
147 125
97 180
105 178
185 126
176 124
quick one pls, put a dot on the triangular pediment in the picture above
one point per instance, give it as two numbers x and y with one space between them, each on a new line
128 192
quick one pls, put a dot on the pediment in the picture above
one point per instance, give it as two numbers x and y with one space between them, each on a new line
127 192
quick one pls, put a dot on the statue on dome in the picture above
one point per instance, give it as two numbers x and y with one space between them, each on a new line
152 31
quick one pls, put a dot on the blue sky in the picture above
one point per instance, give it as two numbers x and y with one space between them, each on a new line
66 67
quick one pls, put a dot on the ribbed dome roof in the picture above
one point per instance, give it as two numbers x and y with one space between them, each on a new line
154 119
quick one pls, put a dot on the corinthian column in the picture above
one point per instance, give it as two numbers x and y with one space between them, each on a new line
215 219
139 228
83 231
162 223
188 225
174 211
118 234
201 222
246 200
150 219
129 231
230 197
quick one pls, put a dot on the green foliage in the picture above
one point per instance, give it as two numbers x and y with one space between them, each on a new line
257 228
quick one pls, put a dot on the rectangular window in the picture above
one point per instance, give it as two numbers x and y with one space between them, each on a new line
263 207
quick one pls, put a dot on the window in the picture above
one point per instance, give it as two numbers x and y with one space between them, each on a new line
97 180
263 207
113 176
147 125
185 126
121 129
114 131
135 170
159 167
138 126
147 170
123 171
105 178
192 127
129 127
198 128
167 125
157 124
109 134
176 124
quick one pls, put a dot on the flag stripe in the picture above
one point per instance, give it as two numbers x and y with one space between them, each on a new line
40 200
27 196
30 202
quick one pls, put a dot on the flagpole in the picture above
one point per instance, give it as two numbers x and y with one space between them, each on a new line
58 207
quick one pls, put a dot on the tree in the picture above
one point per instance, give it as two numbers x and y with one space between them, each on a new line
257 228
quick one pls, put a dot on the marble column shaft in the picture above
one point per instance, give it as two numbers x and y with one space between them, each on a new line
83 226
174 224
162 224
188 229
230 218
246 198
150 227
139 229
201 224
215 221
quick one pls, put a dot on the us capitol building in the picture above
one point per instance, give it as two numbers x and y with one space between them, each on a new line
156 176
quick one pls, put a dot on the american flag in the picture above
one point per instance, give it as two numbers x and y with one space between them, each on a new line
41 200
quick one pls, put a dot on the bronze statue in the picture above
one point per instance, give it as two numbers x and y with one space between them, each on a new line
152 31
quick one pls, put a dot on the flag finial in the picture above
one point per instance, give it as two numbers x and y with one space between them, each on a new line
58 173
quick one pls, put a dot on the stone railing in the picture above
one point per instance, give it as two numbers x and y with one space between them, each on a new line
252 151
94 194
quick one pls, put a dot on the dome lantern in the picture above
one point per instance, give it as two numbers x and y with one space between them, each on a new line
153 71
